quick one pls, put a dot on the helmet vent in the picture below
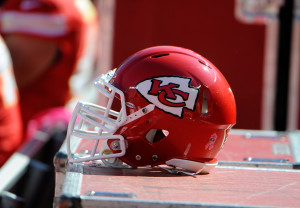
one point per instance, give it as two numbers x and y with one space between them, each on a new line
160 55
204 63
155 135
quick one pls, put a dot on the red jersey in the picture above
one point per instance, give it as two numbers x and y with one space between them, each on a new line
68 23
10 117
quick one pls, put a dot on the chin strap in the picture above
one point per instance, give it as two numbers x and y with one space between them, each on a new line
188 167
175 171
174 166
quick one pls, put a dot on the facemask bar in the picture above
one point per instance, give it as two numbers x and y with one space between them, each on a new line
98 123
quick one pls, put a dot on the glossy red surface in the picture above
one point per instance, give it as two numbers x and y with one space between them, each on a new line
190 132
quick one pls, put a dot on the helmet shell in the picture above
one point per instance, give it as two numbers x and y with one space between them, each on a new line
194 106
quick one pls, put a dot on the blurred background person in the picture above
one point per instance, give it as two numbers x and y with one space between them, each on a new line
53 49
10 117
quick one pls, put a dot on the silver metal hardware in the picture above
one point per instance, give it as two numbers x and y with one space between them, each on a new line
110 194
144 110
115 145
154 157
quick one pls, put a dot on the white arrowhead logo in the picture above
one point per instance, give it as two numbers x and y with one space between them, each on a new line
170 94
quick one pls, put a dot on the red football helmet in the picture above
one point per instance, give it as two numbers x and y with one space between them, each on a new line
166 105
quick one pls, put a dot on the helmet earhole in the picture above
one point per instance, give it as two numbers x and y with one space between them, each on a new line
155 135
